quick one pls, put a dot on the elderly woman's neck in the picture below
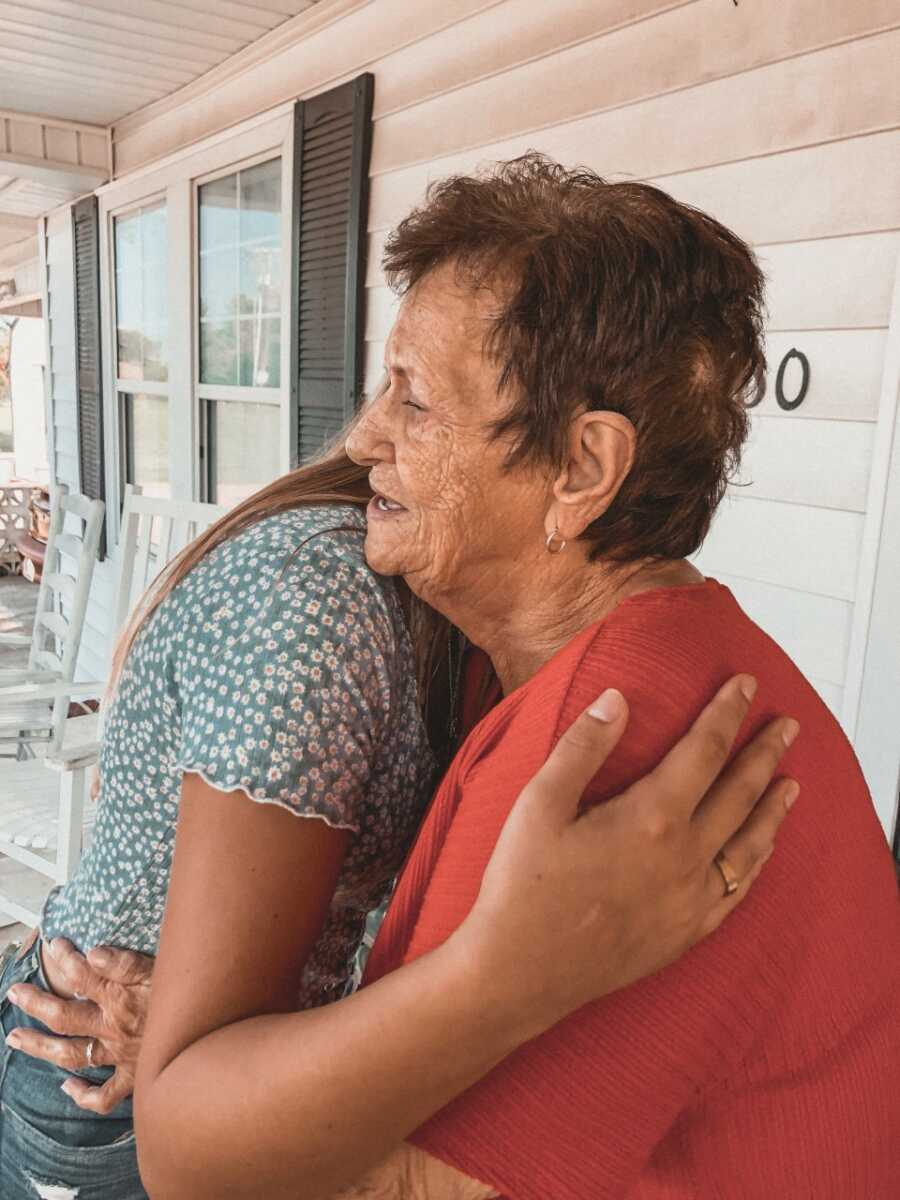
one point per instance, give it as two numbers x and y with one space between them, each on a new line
523 622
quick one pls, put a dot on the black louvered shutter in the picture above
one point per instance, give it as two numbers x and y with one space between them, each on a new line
88 376
332 143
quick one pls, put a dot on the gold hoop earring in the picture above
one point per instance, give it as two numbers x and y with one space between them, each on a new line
555 547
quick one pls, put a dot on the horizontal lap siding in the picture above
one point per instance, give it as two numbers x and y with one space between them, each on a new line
779 120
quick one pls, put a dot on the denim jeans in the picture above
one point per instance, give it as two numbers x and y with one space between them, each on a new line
50 1149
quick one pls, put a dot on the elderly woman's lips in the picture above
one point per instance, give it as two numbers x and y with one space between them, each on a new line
380 506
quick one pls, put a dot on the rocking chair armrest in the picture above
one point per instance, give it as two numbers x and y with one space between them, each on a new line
15 639
12 676
73 758
91 690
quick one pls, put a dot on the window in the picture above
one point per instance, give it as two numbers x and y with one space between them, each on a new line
240 318
142 354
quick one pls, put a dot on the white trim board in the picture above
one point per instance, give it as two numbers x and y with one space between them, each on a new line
872 695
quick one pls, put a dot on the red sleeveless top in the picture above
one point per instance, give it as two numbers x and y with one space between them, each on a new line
761 1066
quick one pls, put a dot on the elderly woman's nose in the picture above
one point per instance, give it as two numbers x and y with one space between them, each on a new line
367 442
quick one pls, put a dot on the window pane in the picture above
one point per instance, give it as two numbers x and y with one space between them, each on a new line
261 202
240 274
218 294
141 253
261 278
243 450
218 214
146 430
260 352
218 352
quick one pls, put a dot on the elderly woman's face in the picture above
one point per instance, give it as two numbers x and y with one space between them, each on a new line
447 513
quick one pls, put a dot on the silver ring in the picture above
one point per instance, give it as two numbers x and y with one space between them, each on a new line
89 1052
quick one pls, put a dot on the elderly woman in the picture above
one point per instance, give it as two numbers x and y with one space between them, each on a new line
563 402
564 399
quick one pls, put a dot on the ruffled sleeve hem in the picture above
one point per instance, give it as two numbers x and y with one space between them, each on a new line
290 802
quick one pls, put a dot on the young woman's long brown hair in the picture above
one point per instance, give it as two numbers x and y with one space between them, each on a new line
331 478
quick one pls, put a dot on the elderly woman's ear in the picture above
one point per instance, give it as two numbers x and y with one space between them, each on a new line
600 453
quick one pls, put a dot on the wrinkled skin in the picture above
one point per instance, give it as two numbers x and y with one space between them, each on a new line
471 536
114 986
426 433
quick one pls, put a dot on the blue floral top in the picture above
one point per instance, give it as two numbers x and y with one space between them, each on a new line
281 666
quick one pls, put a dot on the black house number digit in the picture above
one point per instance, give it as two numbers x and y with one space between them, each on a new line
783 401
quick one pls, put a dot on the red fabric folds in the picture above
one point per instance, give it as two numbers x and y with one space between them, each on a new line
763 1064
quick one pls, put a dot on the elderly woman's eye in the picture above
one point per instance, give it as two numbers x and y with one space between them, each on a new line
412 404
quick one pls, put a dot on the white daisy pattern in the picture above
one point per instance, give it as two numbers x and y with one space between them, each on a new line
281 666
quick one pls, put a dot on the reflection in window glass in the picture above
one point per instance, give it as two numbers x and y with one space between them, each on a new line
240 278
141 251
243 449
145 432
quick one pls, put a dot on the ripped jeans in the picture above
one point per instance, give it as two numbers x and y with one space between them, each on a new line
50 1149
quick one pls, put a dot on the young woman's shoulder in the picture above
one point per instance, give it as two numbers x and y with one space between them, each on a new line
311 553
323 532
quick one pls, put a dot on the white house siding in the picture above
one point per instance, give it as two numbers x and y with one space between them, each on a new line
779 119
792 160
27 389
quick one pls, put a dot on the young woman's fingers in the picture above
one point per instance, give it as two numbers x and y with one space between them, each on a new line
72 1017
681 780
102 1098
71 1054
554 793
747 852
732 797
120 966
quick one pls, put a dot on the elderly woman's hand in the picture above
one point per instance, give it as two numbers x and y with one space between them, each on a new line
620 891
115 986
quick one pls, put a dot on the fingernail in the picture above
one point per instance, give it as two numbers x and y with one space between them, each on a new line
790 732
791 795
608 706
98 958
52 948
13 995
65 1087
13 1040
748 688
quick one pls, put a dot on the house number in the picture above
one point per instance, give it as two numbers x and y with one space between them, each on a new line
783 401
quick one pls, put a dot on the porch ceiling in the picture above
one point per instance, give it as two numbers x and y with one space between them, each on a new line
70 70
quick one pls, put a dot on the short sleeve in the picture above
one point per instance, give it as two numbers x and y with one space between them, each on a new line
286 685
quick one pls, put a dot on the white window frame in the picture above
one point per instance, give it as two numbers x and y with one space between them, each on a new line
202 392
150 387
174 179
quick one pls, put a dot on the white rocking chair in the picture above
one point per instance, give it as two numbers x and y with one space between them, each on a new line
46 813
26 722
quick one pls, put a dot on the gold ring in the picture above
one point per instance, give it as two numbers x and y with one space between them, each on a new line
727 872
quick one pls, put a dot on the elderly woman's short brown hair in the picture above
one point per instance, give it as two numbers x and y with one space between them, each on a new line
610 296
